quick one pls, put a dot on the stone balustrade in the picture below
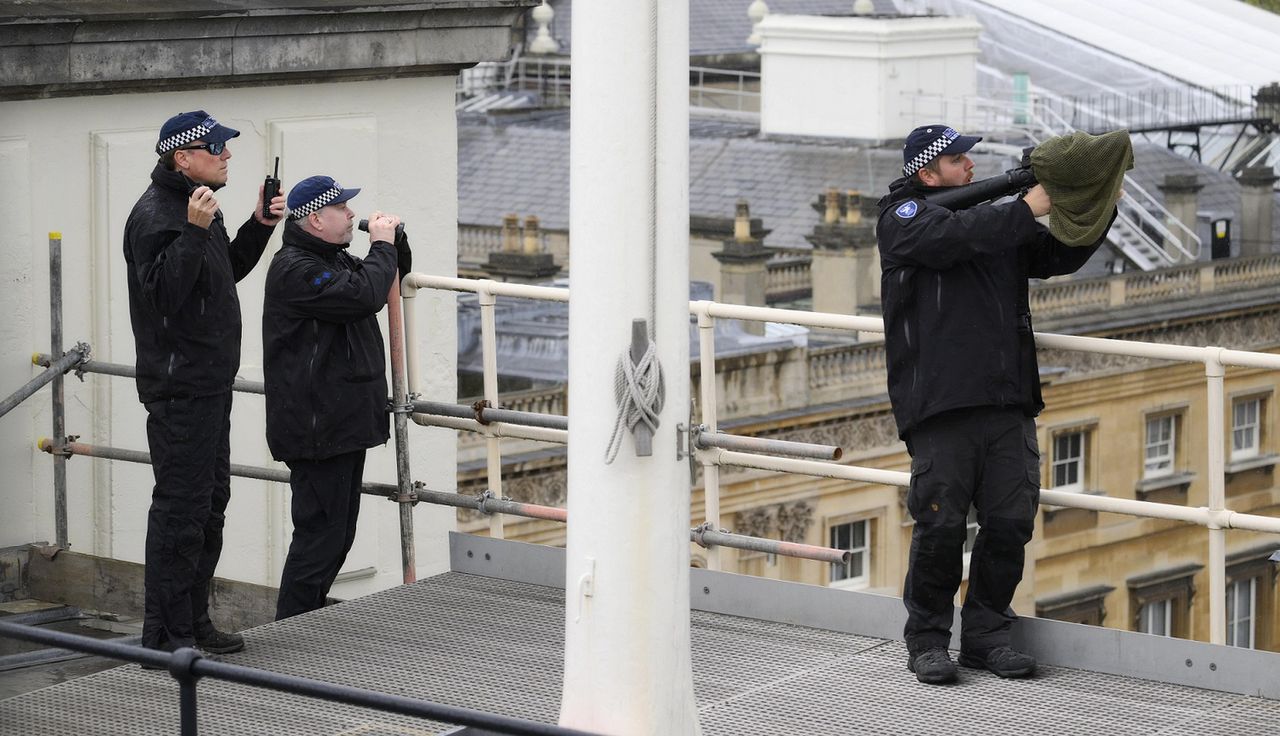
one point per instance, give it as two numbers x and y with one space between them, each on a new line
476 242
788 278
1075 296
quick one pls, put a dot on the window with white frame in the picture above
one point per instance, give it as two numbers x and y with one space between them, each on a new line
1245 428
1156 617
1158 456
1242 596
1161 601
1067 470
855 537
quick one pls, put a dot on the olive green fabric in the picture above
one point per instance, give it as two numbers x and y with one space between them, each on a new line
1082 174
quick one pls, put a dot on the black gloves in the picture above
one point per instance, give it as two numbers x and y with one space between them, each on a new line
404 256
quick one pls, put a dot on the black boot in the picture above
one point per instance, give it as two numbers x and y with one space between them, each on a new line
932 666
1003 661
219 642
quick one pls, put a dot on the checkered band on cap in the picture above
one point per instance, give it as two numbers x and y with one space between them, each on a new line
320 200
178 140
930 152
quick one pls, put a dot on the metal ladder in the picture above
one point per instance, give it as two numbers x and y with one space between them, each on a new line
1139 215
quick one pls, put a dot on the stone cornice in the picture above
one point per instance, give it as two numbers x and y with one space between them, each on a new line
60 49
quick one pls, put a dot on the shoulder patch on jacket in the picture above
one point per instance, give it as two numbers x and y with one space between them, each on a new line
906 210
321 277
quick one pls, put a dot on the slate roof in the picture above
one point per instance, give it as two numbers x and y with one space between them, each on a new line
523 166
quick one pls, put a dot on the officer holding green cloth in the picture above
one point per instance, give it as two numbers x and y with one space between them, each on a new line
965 390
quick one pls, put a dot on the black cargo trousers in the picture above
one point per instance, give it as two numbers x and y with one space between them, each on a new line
988 458
190 442
326 508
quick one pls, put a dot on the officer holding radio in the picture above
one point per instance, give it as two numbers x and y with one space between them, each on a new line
182 274
326 375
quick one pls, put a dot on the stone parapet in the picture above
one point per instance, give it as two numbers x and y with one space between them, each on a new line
1070 300
91 48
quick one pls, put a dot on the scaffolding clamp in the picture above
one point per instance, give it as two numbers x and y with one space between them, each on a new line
394 408
410 497
479 407
698 531
83 349
59 448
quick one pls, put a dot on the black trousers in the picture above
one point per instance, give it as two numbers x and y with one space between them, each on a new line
988 458
191 458
326 505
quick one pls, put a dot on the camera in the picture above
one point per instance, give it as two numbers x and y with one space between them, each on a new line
364 225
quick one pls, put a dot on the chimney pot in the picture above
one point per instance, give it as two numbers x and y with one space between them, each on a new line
742 222
532 241
833 207
511 233
853 208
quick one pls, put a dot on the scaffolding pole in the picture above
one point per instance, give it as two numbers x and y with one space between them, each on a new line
59 397
73 357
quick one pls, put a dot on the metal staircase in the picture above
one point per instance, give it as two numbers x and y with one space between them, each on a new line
1145 232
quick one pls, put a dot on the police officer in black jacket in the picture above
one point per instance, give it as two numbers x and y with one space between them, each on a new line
326 375
965 388
182 276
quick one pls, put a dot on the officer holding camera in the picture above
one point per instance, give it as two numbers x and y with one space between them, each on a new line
965 388
182 276
325 375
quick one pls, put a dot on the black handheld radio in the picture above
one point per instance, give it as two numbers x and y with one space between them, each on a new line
270 190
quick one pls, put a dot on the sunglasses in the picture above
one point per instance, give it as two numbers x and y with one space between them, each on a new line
214 149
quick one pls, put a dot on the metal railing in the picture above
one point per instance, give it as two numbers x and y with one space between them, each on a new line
1215 517
187 666
547 79
711 448
485 416
724 91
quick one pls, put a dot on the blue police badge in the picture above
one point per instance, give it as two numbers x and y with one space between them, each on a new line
908 210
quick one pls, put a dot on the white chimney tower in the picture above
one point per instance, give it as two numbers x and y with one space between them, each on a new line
868 78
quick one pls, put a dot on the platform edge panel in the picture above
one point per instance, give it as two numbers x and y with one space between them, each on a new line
1057 643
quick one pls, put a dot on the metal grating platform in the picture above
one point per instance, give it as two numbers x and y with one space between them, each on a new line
496 645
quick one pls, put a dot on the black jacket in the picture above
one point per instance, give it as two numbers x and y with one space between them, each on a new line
954 292
322 347
182 292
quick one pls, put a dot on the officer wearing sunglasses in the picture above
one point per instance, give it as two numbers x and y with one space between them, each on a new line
182 274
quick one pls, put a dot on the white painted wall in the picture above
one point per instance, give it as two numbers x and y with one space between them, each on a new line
77 165
865 78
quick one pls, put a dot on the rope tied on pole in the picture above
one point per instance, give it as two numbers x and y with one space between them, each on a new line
639 393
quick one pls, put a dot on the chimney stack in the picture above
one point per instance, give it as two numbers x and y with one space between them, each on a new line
1181 200
744 271
877 71
846 266
1257 210
522 265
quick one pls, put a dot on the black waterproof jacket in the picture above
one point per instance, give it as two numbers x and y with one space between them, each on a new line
323 354
182 291
954 292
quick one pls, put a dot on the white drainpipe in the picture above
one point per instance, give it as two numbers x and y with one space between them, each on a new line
627 663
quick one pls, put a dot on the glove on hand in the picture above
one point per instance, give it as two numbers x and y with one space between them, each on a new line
404 256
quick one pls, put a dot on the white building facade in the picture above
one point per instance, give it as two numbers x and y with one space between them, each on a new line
362 92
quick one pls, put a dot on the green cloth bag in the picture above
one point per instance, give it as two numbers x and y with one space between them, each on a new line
1083 174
